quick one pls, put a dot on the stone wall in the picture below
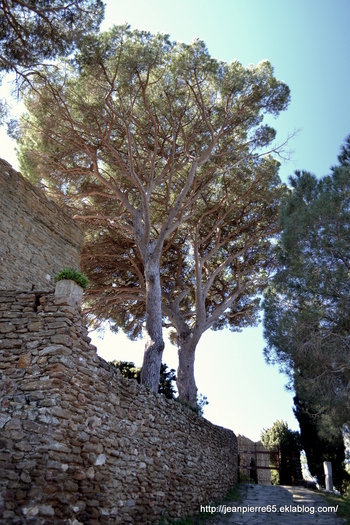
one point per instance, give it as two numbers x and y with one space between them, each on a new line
79 444
37 239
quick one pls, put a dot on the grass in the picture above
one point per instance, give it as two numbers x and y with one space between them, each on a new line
236 494
343 503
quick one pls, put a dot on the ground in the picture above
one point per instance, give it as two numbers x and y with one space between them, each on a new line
278 505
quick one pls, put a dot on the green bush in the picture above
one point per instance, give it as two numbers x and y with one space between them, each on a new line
202 401
73 275
130 371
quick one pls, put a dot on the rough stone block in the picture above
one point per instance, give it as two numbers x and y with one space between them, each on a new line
5 328
62 339
25 361
68 293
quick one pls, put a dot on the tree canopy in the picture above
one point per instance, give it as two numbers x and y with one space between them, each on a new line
36 30
307 323
140 136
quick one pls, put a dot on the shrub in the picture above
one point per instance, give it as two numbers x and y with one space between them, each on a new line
73 275
202 401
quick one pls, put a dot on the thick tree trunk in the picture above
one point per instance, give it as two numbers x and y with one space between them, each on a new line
154 346
186 383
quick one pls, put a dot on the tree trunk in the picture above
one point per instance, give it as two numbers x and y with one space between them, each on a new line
186 384
154 346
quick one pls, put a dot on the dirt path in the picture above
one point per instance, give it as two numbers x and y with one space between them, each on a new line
275 505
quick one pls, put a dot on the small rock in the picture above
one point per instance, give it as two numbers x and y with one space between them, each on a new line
25 360
30 511
100 460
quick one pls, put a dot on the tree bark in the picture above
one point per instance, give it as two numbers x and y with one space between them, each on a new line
186 384
154 345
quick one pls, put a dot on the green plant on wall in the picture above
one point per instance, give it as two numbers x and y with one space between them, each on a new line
72 274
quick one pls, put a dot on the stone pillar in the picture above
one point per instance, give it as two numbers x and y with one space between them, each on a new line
68 293
327 465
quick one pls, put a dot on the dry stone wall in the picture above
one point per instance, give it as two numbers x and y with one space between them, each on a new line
37 239
79 444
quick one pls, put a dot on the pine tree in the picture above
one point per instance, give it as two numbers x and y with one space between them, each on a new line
133 136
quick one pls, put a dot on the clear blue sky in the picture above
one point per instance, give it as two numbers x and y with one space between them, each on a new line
308 43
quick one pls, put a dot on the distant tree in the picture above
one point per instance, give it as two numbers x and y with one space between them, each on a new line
202 402
289 445
307 305
167 377
127 369
133 135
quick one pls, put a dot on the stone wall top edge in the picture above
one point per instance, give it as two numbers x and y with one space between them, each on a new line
170 403
11 293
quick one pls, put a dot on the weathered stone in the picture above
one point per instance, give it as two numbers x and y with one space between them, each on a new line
68 293
62 339
59 412
90 473
60 447
14 424
36 249
40 384
32 344
26 465
30 511
25 478
46 510
25 360
34 327
52 350
7 327
56 367
83 436
69 486
10 343
100 460
31 426
79 475
4 418
23 445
